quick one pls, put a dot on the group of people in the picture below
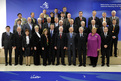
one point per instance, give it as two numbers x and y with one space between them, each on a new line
48 38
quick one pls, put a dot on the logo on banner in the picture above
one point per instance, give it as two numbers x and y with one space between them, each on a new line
45 6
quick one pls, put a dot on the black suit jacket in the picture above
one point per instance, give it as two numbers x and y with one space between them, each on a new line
18 40
60 42
44 41
90 29
116 31
33 21
106 40
74 26
107 20
40 30
24 43
96 19
36 41
45 20
78 21
81 41
66 14
101 30
7 41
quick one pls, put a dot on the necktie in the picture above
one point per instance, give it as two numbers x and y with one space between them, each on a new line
60 36
51 33
71 35
93 18
43 21
80 18
104 19
33 20
113 27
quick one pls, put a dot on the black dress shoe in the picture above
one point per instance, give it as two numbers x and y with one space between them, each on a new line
74 64
57 64
64 64
115 55
69 64
26 64
84 65
80 65
102 64
53 63
6 64
108 65
94 66
16 64
90 64
10 64
44 65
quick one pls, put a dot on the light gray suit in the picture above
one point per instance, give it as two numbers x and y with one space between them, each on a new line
23 21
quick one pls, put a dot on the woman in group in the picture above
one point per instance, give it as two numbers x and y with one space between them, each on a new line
36 39
26 46
93 46
45 47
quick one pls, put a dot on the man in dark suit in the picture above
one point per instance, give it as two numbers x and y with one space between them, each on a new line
40 25
17 25
7 43
42 18
28 26
71 46
72 25
56 14
67 20
104 24
18 46
65 11
79 19
115 31
62 16
81 39
93 25
60 45
94 18
105 45
47 24
85 30
113 13
34 20
104 18
52 33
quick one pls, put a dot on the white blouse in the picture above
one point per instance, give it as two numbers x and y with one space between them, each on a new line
27 39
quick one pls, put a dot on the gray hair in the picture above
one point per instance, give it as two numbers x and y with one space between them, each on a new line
113 11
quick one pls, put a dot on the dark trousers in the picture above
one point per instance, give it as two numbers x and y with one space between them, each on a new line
18 54
52 54
71 51
37 56
80 53
6 55
60 52
114 42
46 56
94 60
105 52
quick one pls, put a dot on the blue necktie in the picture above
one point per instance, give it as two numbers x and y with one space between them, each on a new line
71 35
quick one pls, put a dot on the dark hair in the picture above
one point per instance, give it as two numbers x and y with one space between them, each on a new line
113 19
62 12
18 20
51 13
31 13
19 14
80 11
26 30
7 27
55 8
64 7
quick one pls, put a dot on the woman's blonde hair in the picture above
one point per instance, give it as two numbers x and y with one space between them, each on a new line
44 30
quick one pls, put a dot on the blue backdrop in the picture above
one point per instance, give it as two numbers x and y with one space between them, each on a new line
73 6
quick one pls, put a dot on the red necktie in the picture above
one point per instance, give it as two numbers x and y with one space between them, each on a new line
60 36
80 19
43 20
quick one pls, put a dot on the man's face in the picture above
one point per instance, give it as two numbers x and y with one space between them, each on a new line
49 20
80 14
32 15
61 30
19 16
94 13
60 23
114 21
56 20
80 30
29 20
113 13
104 15
42 15
105 29
56 10
71 22
83 24
104 24
69 16
62 15
44 11
71 29
64 9
7 29
18 29
19 22
52 26
39 21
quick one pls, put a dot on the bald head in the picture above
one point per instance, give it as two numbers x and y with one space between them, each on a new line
71 29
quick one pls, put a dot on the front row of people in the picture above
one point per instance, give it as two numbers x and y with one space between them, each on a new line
50 45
